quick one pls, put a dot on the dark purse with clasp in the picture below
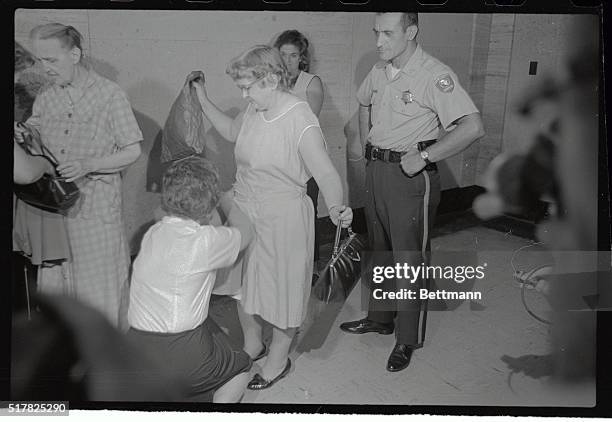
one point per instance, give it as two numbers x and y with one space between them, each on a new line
343 269
50 192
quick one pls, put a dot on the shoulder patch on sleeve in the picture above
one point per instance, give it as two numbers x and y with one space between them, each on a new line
445 83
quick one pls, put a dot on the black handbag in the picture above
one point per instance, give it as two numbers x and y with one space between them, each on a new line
343 269
50 192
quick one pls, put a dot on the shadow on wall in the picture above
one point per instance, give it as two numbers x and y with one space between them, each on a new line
221 152
216 149
103 68
139 206
140 200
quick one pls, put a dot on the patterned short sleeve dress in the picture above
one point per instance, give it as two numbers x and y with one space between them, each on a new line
92 118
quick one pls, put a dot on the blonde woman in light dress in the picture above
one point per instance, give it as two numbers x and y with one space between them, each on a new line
279 145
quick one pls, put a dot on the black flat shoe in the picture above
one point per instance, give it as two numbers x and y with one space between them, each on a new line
259 383
263 353
399 358
367 326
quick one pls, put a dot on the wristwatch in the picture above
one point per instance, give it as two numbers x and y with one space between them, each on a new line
425 157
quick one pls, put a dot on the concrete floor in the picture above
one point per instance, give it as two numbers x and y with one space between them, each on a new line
485 353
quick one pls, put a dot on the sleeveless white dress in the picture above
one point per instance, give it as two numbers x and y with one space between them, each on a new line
270 189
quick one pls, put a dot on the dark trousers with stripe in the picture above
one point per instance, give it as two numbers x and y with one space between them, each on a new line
395 221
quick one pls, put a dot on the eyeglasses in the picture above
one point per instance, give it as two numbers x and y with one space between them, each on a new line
248 86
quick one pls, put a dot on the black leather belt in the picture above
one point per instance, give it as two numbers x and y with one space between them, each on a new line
373 153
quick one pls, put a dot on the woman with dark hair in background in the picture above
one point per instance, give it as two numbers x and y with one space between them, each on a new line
293 47
294 50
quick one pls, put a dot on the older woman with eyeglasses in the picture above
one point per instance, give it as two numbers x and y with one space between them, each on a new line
279 145
87 123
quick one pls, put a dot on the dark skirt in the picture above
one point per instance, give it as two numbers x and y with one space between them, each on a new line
202 357
40 235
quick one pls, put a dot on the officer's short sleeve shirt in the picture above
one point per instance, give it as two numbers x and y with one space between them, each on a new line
423 99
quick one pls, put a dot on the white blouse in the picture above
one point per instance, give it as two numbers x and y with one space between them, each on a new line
175 272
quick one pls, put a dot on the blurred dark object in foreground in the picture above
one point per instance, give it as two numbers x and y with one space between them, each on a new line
29 79
525 180
577 165
70 352
562 167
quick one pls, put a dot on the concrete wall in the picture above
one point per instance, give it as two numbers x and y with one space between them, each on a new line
514 42
493 73
539 38
149 53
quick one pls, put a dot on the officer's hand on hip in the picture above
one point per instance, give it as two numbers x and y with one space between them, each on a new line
412 162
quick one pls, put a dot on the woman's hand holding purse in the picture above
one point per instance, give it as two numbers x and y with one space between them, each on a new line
341 213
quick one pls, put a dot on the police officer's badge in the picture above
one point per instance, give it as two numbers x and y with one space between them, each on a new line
445 83
407 97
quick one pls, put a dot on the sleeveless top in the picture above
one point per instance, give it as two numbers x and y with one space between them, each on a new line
301 84
267 157
270 189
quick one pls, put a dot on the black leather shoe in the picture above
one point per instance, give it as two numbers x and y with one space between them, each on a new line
259 383
367 326
263 353
399 358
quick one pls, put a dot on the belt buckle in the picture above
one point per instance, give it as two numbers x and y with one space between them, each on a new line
374 153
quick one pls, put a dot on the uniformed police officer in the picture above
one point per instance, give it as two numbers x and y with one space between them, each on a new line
412 113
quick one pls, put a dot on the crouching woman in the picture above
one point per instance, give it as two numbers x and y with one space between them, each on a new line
173 278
